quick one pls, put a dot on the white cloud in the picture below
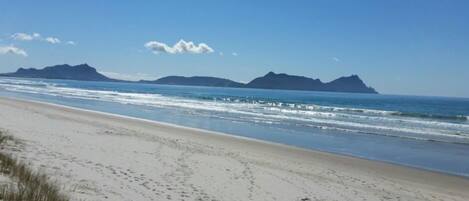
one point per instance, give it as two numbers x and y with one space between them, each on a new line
52 40
37 36
24 36
336 59
71 42
179 48
234 54
12 50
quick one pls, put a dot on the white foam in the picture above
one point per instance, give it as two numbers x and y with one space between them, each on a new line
339 118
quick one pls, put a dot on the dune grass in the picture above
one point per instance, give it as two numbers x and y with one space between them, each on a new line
27 184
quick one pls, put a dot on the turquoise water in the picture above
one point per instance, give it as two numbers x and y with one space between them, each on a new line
425 132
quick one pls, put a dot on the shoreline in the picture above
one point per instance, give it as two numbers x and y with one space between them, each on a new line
160 123
255 148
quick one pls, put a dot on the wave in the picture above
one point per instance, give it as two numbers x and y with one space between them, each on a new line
26 83
351 112
355 110
431 116
273 112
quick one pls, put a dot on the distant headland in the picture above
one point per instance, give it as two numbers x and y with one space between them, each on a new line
271 80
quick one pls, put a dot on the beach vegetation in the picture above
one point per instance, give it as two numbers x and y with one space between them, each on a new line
27 184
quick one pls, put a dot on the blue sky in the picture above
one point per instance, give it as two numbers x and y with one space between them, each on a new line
398 47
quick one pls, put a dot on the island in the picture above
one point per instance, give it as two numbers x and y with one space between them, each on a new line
271 80
84 72
195 81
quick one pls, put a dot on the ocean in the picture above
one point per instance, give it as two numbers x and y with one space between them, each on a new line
423 132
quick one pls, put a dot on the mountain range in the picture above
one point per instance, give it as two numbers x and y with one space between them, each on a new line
271 80
82 72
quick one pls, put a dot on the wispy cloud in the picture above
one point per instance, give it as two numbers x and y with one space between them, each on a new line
12 50
180 47
52 40
336 59
234 54
25 36
38 37
71 42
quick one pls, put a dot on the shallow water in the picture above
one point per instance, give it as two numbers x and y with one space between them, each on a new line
425 132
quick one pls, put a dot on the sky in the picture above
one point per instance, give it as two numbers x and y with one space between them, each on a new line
398 47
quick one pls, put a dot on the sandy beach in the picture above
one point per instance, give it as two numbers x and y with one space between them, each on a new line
97 156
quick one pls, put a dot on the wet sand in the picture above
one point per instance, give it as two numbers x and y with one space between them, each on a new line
98 156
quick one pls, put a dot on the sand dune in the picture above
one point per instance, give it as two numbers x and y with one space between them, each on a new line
98 156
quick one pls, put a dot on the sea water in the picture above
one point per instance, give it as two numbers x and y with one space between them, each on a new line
425 132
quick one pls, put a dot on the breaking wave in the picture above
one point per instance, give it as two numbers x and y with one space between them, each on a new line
434 127
431 116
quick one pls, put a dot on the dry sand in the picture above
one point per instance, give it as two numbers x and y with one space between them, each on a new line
98 156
